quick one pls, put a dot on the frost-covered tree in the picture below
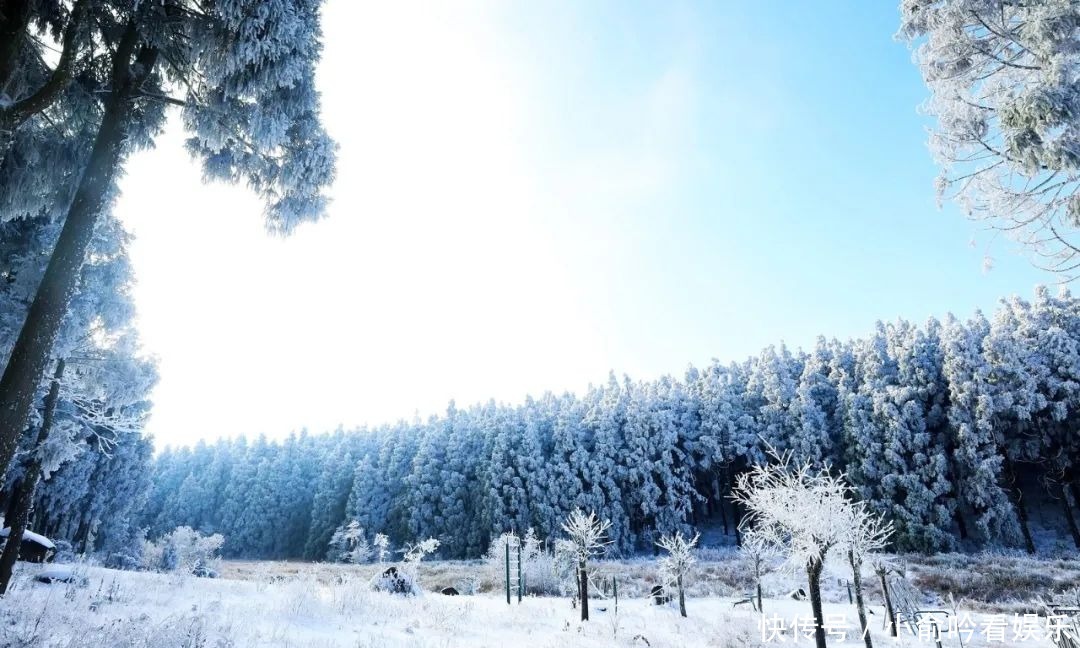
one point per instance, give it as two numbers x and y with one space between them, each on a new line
349 544
977 455
247 80
801 511
935 425
1002 86
867 532
588 536
380 547
331 494
605 468
677 563
759 552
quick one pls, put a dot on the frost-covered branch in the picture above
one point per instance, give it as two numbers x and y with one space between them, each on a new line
1002 76
587 532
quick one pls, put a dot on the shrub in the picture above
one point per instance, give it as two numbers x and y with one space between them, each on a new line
349 544
403 578
537 564
183 550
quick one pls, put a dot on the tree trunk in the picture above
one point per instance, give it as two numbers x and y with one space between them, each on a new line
23 496
759 609
1022 517
682 597
813 573
583 590
9 510
961 525
856 580
1069 517
890 616
1018 503
30 354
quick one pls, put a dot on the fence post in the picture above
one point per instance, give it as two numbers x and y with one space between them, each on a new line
508 571
521 583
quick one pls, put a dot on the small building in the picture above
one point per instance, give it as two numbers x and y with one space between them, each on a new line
34 548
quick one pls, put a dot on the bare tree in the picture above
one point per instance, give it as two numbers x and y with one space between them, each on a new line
589 537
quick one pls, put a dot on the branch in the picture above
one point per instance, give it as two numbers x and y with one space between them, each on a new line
61 75
160 97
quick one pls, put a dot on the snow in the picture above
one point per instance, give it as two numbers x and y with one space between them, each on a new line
139 608
61 573
31 536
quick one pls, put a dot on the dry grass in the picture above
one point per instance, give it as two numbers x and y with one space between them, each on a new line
994 582
988 582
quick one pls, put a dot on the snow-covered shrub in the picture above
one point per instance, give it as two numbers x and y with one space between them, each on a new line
564 565
349 544
414 553
537 564
184 550
394 580
404 578
469 586
121 560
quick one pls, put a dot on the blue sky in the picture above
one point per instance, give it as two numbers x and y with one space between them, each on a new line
531 194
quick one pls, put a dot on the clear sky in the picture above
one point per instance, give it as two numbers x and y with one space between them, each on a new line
532 194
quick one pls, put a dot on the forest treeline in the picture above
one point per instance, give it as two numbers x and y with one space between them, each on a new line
947 428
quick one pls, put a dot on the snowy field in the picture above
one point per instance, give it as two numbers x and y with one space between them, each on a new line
307 609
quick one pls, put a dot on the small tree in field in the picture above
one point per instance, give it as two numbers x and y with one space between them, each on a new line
882 565
587 533
675 565
349 544
801 511
382 546
414 553
867 532
758 553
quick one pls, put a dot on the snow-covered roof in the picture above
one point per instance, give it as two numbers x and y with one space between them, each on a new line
31 536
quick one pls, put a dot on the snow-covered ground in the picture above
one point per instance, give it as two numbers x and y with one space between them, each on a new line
114 608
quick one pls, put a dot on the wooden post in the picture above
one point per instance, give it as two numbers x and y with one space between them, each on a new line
508 571
521 583
615 589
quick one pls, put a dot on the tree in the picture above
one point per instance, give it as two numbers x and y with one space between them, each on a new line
588 535
1002 76
24 492
678 561
349 544
759 552
867 532
252 110
800 510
